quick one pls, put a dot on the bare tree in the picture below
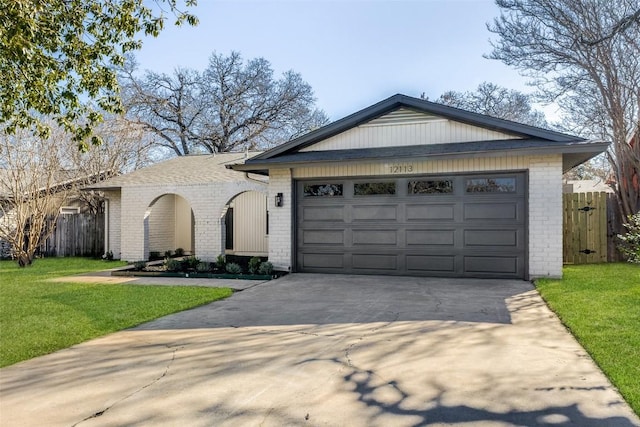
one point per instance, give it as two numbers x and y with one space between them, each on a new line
232 105
38 176
496 101
32 191
581 56
126 146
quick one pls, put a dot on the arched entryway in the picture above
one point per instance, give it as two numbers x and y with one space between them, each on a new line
169 225
245 224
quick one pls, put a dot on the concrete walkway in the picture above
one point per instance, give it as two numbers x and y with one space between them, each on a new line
105 276
328 350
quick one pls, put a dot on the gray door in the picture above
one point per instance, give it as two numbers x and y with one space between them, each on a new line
457 226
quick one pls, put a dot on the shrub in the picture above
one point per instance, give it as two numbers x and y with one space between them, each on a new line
233 268
167 254
254 264
266 268
629 243
139 265
191 262
221 261
203 267
174 265
179 252
153 255
108 256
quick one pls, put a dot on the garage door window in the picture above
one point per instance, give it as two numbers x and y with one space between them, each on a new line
491 185
322 190
439 186
374 188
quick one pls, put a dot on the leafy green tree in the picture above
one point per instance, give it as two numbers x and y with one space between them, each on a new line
58 58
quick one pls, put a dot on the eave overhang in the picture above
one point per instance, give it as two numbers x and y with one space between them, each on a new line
573 153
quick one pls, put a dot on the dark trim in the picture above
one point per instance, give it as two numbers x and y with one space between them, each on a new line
399 101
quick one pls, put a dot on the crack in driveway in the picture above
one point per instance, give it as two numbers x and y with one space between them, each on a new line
152 382
347 352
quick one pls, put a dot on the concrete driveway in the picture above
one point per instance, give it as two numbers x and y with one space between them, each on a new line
328 350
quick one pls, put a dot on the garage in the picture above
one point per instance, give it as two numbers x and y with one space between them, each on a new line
411 187
457 226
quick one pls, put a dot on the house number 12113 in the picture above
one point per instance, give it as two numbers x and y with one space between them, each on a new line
401 168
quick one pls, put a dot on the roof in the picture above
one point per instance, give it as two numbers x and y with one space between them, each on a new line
185 170
527 139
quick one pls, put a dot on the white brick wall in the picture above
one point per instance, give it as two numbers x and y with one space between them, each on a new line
280 219
206 200
545 199
545 216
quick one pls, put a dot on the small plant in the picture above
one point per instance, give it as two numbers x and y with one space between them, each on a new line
233 268
266 268
153 255
254 264
203 267
167 254
191 262
174 265
221 261
179 252
139 265
629 243
108 256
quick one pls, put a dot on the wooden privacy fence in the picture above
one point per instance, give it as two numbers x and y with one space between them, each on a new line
76 235
588 233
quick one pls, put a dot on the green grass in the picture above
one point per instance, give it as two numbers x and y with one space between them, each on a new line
38 317
600 305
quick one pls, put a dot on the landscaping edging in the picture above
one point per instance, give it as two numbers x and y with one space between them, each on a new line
191 275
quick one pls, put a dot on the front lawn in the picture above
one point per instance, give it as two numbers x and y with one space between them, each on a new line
38 317
600 305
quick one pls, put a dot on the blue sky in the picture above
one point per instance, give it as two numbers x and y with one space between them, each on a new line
353 53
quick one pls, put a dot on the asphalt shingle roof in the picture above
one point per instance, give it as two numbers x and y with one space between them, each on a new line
185 170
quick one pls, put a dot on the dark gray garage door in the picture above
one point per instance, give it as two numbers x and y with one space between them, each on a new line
459 226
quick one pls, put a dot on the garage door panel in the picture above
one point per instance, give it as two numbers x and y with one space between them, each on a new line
431 263
378 262
323 237
491 211
489 264
322 260
374 237
374 213
490 238
424 212
323 213
417 237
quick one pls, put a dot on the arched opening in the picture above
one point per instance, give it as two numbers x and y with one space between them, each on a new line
169 225
245 226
